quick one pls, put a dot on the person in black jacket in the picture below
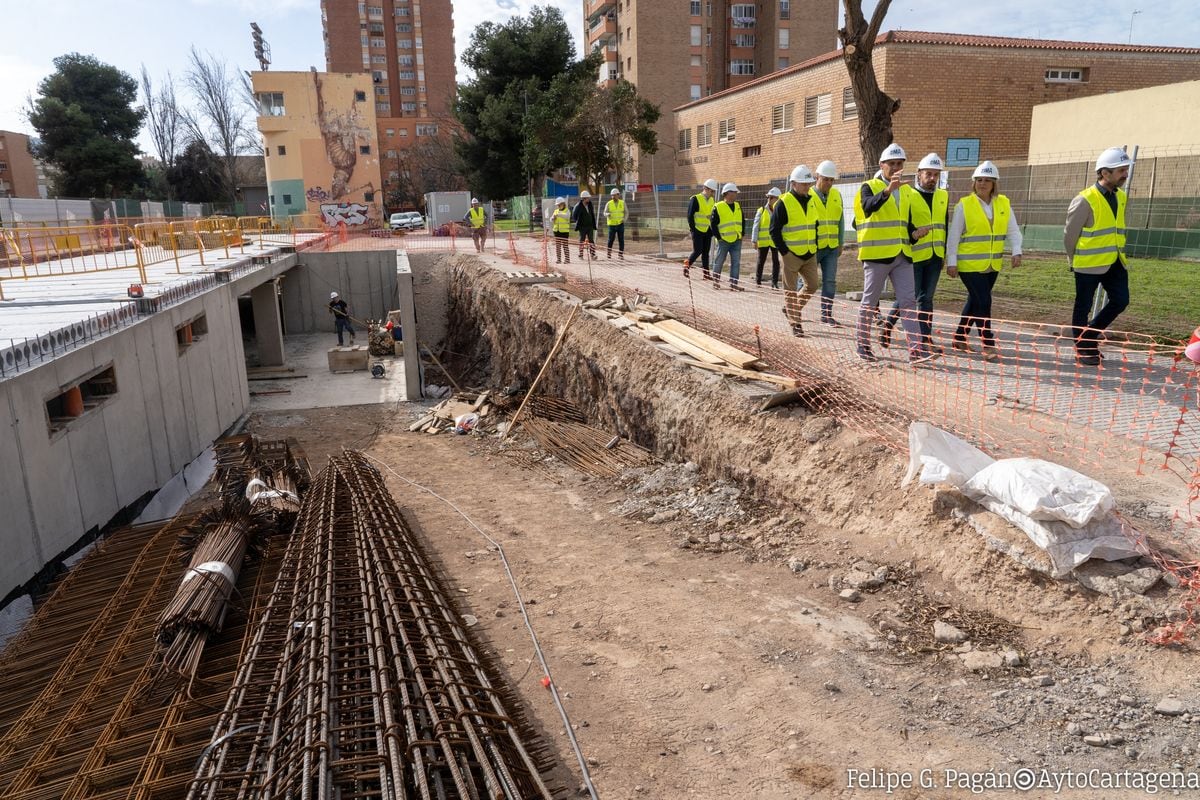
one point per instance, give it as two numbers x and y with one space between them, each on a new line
699 220
584 220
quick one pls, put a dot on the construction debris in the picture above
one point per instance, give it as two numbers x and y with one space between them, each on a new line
534 277
446 414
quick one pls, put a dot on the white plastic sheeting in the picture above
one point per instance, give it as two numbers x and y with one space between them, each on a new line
1065 513
170 498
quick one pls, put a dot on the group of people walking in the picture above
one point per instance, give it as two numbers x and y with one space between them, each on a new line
907 235
583 219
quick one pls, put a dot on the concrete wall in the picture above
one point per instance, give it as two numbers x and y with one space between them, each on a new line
365 280
431 290
170 404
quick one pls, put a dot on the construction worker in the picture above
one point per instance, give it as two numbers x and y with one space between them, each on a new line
1094 239
760 234
476 218
560 226
831 226
927 229
341 318
730 226
584 219
614 217
983 222
699 219
794 233
881 219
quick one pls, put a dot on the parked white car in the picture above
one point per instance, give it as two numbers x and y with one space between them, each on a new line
406 221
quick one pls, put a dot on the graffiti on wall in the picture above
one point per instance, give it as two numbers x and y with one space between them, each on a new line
317 194
348 213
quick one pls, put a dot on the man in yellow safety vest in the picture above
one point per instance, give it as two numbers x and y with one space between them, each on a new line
830 232
730 226
1094 239
614 217
560 226
699 220
476 220
794 233
760 234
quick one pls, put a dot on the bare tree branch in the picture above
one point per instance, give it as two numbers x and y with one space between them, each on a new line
881 9
162 112
220 118
875 108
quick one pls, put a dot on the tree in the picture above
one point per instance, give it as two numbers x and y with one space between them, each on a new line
165 120
220 117
875 108
87 123
609 123
197 174
429 165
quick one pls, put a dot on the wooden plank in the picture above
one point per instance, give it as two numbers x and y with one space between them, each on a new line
621 323
449 411
679 343
649 331
747 374
421 423
716 347
479 401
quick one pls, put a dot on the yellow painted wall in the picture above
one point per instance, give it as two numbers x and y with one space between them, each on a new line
1161 120
324 137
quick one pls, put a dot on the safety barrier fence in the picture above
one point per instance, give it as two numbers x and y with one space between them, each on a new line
1133 420
19 354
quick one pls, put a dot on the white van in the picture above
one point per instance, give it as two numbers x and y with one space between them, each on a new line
406 221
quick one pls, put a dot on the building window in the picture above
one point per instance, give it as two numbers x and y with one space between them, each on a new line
782 62
629 63
685 139
406 61
708 38
694 91
849 107
696 61
781 117
86 394
407 107
427 130
403 27
378 59
270 104
408 90
785 40
403 132
696 31
817 110
704 135
383 107
785 9
365 149
381 90
402 12
287 199
391 131
404 44
725 130
360 96
377 76
751 151
741 66
1064 75
376 27
375 12
743 40
407 75
281 150
391 153
419 42
378 43
191 332
368 197
743 15
694 8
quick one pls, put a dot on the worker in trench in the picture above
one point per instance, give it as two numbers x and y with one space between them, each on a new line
341 318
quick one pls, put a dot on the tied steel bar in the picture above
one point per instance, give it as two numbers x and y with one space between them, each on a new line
360 680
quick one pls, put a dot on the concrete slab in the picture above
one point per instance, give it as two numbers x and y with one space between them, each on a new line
306 354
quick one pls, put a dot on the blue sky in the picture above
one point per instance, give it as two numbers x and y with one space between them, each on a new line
128 33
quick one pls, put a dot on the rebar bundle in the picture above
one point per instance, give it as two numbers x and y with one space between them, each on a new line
360 680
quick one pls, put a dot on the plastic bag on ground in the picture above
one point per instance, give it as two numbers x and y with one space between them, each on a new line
1043 491
465 423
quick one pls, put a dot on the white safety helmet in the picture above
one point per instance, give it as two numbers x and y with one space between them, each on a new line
711 183
615 192
827 169
729 187
333 295
774 192
474 201
801 174
986 170
932 161
893 152
1112 158
560 201
585 194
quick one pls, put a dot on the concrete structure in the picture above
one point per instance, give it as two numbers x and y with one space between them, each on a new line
806 113
18 172
322 155
680 51
407 47
1158 119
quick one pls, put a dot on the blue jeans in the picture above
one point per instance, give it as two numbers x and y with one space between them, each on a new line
734 251
1116 285
343 324
926 274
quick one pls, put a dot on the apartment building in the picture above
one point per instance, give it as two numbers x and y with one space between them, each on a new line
407 47
676 51
18 172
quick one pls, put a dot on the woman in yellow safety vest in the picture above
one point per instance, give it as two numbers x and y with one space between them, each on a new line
983 223
730 225
560 226
760 234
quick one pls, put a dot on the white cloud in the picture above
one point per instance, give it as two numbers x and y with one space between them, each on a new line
21 77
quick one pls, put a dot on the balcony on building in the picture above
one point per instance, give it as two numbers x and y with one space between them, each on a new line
595 7
603 29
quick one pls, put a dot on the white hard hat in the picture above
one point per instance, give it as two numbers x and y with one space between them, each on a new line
474 201
827 169
774 192
584 194
558 201
729 187
333 295
802 174
893 152
931 161
1112 158
986 170
615 192
711 183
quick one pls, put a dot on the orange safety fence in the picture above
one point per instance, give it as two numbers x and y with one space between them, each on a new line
1134 419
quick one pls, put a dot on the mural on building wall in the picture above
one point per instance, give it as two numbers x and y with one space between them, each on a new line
317 194
342 133
351 214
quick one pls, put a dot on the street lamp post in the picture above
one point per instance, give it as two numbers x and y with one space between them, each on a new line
1131 18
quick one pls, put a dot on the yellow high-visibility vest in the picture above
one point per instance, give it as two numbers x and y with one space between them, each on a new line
616 212
702 219
885 234
729 221
1104 242
829 215
764 227
933 243
800 232
982 244
562 221
478 217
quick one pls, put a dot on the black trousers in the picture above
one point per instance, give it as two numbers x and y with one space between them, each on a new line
701 244
616 232
590 237
977 311
562 247
762 261
1116 286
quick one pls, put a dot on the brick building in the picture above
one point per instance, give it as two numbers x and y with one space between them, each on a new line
966 97
18 173
680 51
407 46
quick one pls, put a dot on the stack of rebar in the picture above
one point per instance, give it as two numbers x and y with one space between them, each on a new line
360 680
